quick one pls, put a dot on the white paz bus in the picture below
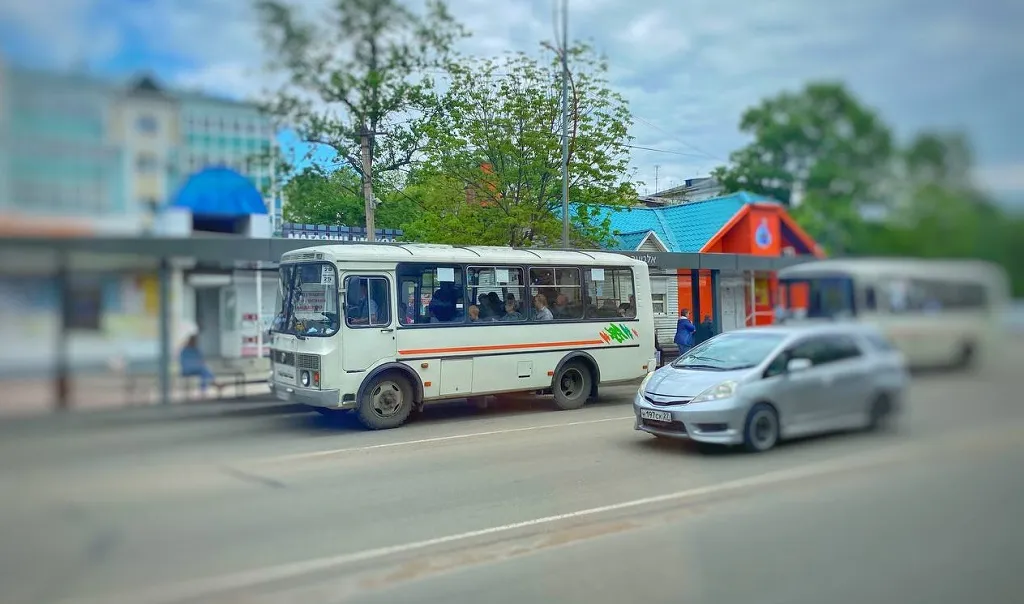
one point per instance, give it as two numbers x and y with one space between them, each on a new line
381 330
937 312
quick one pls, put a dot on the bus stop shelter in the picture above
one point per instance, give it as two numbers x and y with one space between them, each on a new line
67 261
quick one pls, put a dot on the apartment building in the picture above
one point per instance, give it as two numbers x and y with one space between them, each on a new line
103 155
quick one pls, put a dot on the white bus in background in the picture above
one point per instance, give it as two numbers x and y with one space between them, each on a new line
937 312
381 330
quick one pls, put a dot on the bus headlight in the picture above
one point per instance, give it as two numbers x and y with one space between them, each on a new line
304 379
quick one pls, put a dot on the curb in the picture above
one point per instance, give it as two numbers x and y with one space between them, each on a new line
150 414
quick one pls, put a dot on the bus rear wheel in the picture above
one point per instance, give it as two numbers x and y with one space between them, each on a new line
387 402
572 386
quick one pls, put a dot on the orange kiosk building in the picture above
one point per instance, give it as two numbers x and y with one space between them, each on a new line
740 223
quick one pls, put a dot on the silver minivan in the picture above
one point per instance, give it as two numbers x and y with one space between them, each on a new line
757 386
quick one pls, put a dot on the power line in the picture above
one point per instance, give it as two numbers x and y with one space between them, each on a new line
656 150
679 140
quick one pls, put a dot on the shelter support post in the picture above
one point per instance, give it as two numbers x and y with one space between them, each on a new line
164 312
695 296
716 301
259 311
62 373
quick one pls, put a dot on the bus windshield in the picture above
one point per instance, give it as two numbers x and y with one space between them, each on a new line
817 298
307 300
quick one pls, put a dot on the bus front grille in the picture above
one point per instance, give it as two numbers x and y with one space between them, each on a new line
310 362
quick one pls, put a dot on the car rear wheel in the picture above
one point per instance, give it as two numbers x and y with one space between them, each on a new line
761 430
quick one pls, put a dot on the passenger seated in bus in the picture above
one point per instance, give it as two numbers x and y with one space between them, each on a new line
510 297
511 314
561 308
442 303
474 313
363 310
541 310
608 309
491 308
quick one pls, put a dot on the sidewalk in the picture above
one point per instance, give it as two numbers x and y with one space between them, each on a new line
108 391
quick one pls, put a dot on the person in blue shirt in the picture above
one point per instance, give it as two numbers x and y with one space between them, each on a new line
684 332
192 364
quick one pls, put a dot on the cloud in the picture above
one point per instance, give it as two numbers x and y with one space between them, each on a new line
1001 178
688 69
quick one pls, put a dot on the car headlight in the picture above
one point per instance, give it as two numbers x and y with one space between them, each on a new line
720 391
643 383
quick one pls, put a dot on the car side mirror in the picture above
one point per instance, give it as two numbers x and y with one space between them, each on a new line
795 365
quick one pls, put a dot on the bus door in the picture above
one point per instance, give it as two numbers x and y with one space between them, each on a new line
369 321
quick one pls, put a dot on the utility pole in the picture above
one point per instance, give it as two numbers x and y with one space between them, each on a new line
367 162
656 189
565 124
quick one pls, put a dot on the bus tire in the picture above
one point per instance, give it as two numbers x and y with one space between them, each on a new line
572 386
387 402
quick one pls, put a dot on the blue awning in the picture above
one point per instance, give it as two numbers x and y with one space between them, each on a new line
221 193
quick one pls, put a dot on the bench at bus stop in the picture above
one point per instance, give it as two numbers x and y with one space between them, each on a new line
227 373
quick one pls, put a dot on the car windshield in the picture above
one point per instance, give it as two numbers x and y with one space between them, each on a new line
307 300
730 351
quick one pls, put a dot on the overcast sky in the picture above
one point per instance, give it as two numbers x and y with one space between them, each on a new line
688 67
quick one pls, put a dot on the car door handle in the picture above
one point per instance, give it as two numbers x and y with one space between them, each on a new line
387 330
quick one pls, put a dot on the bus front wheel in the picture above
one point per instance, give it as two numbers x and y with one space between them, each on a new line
572 386
387 402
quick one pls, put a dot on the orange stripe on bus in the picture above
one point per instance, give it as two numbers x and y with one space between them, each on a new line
501 347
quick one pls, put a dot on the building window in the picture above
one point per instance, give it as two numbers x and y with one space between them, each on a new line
146 124
658 302
147 163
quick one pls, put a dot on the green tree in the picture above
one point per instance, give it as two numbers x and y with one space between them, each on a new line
444 215
939 213
362 63
500 137
315 196
819 150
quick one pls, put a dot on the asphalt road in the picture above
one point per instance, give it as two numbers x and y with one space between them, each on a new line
519 504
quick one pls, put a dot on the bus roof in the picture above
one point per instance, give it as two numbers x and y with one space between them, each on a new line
948 270
423 252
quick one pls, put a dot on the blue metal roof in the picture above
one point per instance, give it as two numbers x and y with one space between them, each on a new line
220 192
626 242
686 227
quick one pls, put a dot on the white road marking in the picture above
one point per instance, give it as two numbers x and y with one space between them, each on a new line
437 439
190 590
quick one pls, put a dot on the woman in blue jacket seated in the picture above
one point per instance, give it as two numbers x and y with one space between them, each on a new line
192 364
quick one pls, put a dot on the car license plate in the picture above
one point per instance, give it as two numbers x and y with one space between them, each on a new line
658 416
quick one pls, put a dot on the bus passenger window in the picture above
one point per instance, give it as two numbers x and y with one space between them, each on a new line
498 292
609 293
432 293
556 293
